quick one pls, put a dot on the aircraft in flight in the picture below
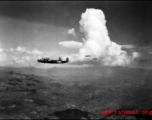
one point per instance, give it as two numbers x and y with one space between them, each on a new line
90 56
48 60
87 55
95 59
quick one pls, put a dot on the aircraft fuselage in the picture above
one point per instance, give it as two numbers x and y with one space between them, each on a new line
53 61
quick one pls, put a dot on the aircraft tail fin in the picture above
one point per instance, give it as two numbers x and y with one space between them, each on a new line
67 59
60 59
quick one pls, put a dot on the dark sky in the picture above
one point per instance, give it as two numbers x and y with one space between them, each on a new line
127 22
43 24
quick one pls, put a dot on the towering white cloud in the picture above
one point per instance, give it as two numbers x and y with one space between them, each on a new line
97 42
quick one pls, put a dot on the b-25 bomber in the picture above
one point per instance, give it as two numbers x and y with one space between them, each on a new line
48 60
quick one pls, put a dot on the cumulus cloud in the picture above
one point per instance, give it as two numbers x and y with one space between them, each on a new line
36 52
20 56
11 49
1 49
3 57
26 58
135 55
72 32
71 44
97 42
20 49
128 46
20 61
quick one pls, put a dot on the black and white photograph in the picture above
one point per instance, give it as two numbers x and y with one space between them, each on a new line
89 60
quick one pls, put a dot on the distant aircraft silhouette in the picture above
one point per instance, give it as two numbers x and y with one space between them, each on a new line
48 60
87 55
94 58
91 57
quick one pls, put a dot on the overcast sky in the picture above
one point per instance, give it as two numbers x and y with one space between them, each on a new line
40 26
